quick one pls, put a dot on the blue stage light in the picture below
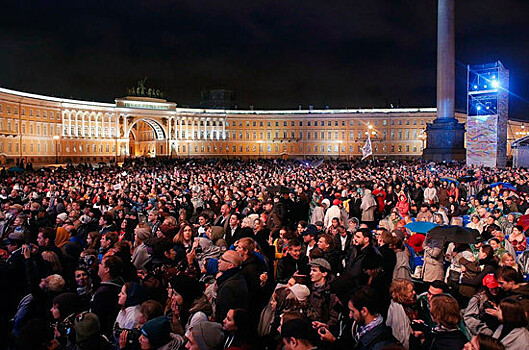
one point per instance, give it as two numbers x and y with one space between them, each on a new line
485 86
495 84
478 108
475 87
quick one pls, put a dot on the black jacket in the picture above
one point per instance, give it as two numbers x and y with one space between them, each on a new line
288 265
232 293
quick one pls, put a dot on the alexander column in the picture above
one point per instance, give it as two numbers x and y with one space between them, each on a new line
445 136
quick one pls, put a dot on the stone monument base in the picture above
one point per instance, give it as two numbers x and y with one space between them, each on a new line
445 140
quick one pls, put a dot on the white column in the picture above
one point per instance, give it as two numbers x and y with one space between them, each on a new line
70 124
224 129
76 130
63 124
83 124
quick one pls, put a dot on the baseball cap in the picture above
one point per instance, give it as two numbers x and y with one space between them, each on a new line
14 237
321 263
490 281
310 230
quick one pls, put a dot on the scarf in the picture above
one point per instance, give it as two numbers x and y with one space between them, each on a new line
363 330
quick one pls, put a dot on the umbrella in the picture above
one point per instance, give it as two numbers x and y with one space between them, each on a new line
523 221
468 178
503 186
420 226
344 166
456 234
449 179
16 169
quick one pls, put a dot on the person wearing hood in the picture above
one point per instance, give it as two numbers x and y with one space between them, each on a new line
368 207
333 212
205 336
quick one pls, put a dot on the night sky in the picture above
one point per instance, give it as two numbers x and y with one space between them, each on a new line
273 54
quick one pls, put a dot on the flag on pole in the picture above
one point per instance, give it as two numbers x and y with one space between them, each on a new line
367 150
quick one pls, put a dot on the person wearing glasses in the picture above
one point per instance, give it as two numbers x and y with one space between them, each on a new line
232 292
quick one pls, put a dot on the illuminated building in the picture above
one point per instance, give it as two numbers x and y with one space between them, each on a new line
142 126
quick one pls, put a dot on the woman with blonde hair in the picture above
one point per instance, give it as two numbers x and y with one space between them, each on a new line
53 260
402 310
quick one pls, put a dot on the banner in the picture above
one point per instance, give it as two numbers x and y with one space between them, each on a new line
367 150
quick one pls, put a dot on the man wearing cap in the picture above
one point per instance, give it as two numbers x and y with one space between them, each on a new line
272 221
309 239
232 292
324 305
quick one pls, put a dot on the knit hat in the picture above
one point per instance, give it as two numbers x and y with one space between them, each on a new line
311 230
158 331
326 202
143 233
86 326
62 216
301 291
212 266
67 303
208 335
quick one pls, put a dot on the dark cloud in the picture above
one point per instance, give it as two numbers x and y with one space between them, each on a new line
274 54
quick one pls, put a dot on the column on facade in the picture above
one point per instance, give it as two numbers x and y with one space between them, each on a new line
63 124
224 129
76 130
193 121
83 125
70 124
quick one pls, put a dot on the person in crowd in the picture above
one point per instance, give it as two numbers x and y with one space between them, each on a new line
402 310
476 318
482 342
205 336
513 331
446 334
324 305
232 290
238 330
509 280
292 263
105 301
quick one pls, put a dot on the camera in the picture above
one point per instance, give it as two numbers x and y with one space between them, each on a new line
87 262
419 326
198 249
133 335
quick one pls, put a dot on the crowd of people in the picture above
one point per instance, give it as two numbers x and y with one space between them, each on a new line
263 254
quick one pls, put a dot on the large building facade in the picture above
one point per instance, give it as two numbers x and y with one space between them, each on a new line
43 130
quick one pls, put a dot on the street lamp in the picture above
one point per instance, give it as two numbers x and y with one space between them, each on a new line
259 143
56 138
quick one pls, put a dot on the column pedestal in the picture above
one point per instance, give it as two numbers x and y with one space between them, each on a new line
445 140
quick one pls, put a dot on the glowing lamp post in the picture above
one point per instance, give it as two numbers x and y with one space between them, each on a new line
56 138
259 145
